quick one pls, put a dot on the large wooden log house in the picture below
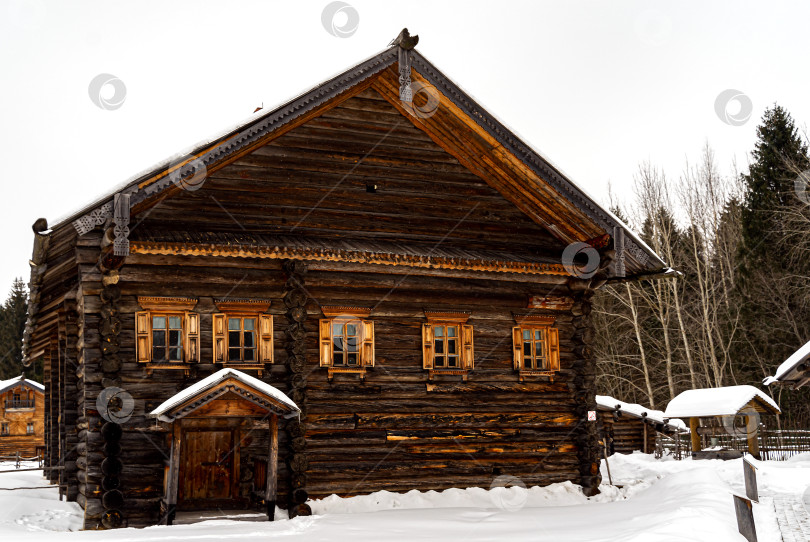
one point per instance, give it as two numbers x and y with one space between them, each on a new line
22 415
380 249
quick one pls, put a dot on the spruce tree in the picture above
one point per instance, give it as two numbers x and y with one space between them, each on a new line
12 323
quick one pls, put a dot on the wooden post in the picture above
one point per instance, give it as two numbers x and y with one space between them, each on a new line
173 480
272 470
694 424
752 431
644 446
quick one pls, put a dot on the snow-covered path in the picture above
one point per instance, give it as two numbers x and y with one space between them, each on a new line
660 500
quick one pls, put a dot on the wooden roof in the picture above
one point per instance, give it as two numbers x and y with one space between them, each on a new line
459 125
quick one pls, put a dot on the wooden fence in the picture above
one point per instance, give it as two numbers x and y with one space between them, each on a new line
774 445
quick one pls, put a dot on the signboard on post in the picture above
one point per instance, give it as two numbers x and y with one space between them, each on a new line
750 475
591 415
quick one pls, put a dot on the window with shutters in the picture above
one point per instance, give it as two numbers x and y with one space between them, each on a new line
243 334
4 428
447 344
347 340
29 428
536 346
167 332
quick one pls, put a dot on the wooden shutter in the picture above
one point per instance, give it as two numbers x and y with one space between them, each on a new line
427 346
220 338
553 349
517 347
143 336
192 337
326 342
467 354
266 338
367 352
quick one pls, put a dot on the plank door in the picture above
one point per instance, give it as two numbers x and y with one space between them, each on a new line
208 467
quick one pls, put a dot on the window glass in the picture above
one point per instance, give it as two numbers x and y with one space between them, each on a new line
241 339
534 348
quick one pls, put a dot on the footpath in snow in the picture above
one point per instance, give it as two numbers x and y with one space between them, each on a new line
659 500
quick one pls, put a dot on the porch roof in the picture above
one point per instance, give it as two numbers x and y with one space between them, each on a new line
209 388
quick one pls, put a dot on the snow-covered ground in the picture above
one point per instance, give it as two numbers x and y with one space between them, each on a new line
659 500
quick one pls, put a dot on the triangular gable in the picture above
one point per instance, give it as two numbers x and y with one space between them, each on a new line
220 384
460 125
6 385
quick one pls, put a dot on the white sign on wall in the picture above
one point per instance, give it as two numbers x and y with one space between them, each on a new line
591 415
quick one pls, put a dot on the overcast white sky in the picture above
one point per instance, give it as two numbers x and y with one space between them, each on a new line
596 86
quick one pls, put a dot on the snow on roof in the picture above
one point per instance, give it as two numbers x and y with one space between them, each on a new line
214 379
11 382
723 401
639 411
797 358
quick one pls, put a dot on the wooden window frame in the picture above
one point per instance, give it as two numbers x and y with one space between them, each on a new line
190 331
29 425
552 346
5 429
465 341
243 308
366 339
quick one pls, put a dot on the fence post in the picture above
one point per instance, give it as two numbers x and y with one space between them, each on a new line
17 465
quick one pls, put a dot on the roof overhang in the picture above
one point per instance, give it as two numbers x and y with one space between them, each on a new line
225 381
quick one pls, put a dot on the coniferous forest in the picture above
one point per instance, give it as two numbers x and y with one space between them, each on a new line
742 305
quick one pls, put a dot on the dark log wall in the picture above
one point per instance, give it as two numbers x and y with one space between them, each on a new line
395 430
627 433
313 181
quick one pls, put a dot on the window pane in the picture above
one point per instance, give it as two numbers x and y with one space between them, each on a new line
174 354
174 337
438 361
250 354
250 339
452 361
351 329
539 349
439 346
233 323
158 354
527 334
451 346
250 324
527 349
337 329
233 339
233 354
452 331
538 335
351 342
158 338
351 359
527 362
337 358
174 322
158 322
438 331
337 344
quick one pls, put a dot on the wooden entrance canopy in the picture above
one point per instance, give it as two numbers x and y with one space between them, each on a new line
225 395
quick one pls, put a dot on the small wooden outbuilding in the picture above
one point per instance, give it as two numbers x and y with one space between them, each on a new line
794 371
627 427
732 410
22 417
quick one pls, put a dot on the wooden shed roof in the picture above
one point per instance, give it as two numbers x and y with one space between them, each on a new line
794 371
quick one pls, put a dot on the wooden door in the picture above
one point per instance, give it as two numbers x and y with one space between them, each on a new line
208 474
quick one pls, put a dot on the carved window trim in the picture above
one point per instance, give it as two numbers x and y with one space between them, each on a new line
154 306
264 339
551 340
343 315
466 351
